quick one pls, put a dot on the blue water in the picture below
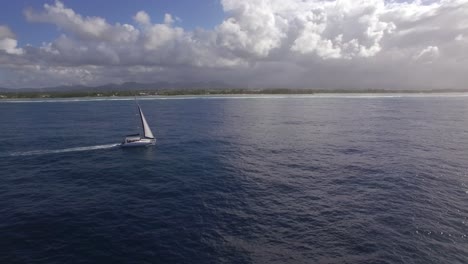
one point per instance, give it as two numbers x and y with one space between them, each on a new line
262 179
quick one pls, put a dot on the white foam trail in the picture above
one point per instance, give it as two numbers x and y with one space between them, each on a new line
65 100
54 151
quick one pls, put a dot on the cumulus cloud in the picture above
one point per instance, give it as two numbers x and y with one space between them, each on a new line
8 42
83 28
260 43
168 19
142 18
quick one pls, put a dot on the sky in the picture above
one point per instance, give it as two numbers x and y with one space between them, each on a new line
318 44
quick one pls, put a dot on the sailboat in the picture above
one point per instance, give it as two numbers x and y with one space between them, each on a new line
138 140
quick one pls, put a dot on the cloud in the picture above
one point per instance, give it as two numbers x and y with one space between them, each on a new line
5 32
83 28
260 43
142 18
168 19
8 42
430 52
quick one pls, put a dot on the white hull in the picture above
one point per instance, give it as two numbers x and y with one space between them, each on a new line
142 142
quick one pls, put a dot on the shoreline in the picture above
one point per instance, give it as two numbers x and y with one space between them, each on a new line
238 96
211 92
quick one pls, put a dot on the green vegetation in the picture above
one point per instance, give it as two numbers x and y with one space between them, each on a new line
18 94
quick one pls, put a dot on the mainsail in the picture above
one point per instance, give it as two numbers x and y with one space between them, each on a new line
146 129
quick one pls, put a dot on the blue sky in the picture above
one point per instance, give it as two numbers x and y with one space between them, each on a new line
192 14
335 44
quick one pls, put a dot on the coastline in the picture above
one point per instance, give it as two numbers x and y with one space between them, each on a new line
18 94
237 96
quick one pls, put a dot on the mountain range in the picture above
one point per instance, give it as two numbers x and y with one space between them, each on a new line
127 86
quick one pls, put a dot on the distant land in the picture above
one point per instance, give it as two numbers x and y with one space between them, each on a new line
168 89
128 86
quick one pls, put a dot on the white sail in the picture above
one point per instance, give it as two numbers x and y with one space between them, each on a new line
146 129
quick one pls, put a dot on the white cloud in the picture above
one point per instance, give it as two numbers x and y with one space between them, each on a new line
328 29
168 20
252 29
142 17
84 28
8 43
260 43
5 32
429 53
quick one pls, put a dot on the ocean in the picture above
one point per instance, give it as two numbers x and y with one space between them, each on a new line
236 179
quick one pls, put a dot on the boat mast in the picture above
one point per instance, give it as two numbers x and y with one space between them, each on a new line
137 113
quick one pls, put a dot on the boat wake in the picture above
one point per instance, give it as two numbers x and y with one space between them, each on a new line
54 151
